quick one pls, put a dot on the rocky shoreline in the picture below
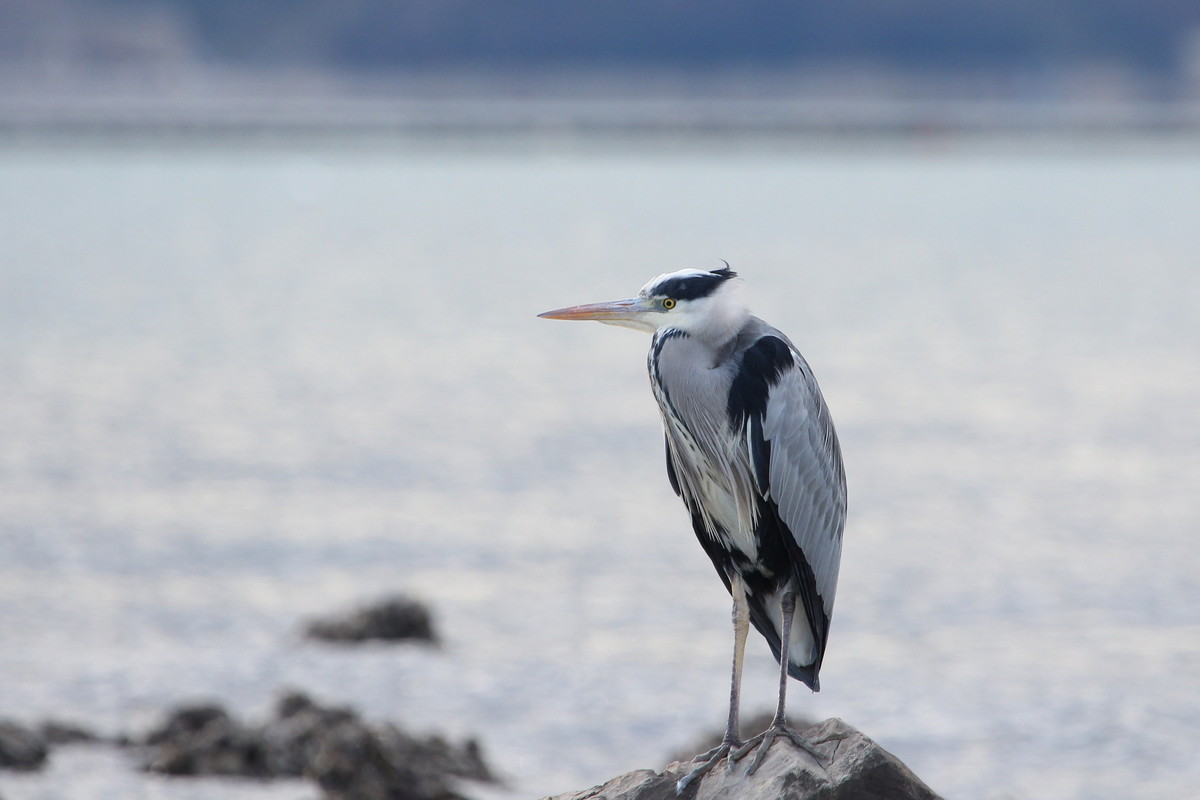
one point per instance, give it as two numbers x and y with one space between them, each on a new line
350 758
346 756
332 746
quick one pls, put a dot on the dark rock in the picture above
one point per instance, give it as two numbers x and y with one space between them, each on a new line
393 619
205 740
354 763
351 760
21 748
857 769
346 756
189 721
293 738
59 733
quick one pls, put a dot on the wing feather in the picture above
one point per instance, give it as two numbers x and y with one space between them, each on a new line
672 476
806 478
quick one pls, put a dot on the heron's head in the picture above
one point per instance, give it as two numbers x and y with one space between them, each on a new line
702 304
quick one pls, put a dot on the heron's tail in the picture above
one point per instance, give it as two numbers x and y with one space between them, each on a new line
806 675
801 646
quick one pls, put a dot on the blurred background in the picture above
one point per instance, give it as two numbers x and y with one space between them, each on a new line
268 283
100 66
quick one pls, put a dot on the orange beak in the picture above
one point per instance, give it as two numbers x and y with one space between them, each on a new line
601 312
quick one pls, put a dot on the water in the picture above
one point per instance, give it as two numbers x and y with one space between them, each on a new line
248 383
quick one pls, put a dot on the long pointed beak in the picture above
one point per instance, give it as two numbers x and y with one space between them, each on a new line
601 312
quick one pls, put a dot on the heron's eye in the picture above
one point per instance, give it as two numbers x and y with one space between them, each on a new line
668 303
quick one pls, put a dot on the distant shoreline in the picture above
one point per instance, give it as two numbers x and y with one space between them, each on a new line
849 104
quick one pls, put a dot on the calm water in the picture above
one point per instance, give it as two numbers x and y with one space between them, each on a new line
246 384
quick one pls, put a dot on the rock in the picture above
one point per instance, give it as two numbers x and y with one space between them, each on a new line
756 723
205 740
21 748
354 763
293 738
858 769
392 619
58 733
346 756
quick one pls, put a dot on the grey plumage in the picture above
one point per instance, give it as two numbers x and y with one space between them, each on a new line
711 457
752 452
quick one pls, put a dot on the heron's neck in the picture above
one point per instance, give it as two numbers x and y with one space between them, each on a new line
718 350
721 328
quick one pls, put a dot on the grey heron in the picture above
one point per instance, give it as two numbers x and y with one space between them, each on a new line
752 452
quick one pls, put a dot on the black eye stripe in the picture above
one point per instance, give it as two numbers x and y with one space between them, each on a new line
693 287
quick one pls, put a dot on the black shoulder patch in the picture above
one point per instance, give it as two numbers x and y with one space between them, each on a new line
762 364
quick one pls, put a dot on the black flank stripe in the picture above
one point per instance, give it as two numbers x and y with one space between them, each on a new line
760 455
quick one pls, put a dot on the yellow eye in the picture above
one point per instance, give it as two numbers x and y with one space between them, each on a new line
668 303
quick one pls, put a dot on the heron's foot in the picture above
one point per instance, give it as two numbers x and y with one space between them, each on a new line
707 761
763 741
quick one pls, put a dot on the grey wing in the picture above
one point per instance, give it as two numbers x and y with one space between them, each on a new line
805 478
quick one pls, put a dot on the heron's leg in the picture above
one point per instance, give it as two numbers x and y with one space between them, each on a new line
788 607
779 724
741 626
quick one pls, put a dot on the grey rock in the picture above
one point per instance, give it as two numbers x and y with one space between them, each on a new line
857 769
393 619
21 748
751 725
